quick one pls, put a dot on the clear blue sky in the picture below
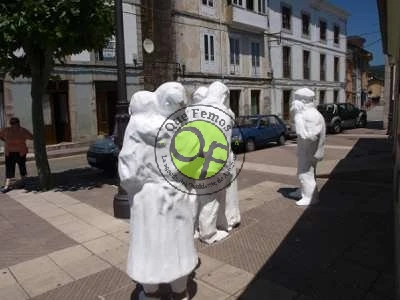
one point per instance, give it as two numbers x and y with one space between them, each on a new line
364 19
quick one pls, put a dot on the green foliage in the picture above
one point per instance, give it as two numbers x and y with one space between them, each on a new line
55 27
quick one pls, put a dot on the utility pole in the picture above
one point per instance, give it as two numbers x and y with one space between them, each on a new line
121 201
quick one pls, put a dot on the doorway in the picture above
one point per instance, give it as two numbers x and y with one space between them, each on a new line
234 101
56 113
286 105
255 102
335 96
106 106
322 97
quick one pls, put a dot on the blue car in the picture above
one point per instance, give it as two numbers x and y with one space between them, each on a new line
251 132
103 154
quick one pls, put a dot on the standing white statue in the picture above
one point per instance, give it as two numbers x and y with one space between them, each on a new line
161 248
310 130
214 209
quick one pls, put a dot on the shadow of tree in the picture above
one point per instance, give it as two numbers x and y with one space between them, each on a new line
74 179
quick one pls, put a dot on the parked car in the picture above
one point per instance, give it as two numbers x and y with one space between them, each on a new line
342 115
252 132
103 154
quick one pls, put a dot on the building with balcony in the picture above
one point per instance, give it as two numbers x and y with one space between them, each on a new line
307 41
199 41
357 67
81 99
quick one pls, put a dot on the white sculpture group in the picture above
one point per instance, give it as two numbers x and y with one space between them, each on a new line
165 218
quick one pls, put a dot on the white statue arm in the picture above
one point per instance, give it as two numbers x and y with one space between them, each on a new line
148 128
300 126
127 167
136 159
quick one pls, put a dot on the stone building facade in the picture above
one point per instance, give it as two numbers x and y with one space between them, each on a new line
197 42
262 50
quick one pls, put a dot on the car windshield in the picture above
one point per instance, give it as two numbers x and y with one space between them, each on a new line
246 122
329 108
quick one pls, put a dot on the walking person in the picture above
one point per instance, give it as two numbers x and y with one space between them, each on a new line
15 151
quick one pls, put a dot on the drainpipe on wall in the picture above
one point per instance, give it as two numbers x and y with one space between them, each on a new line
220 39
270 62
121 200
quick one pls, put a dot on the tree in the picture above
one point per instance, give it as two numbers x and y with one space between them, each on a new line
34 35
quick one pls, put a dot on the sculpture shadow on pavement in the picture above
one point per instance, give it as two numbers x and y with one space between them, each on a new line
165 290
340 248
288 193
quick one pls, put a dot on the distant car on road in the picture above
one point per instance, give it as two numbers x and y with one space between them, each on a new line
342 115
252 132
103 154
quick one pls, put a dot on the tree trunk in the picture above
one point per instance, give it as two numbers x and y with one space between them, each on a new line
40 67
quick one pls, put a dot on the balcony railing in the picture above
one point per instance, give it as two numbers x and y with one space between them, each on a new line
246 19
235 69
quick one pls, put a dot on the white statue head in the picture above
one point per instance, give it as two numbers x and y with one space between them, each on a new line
302 97
218 93
142 101
199 95
171 96
305 94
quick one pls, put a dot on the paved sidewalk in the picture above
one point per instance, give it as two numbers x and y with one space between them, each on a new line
65 244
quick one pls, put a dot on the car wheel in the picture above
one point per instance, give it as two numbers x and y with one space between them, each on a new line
282 140
362 122
250 145
337 128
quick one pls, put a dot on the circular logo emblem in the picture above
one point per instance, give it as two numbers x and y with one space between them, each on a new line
199 150
194 150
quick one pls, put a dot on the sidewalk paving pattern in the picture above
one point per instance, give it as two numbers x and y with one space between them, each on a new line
66 244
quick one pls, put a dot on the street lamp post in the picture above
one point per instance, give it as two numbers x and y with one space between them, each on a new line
121 201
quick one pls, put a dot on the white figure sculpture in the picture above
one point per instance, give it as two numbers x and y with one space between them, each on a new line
210 211
310 130
161 248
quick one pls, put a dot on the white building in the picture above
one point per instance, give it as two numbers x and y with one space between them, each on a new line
308 48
